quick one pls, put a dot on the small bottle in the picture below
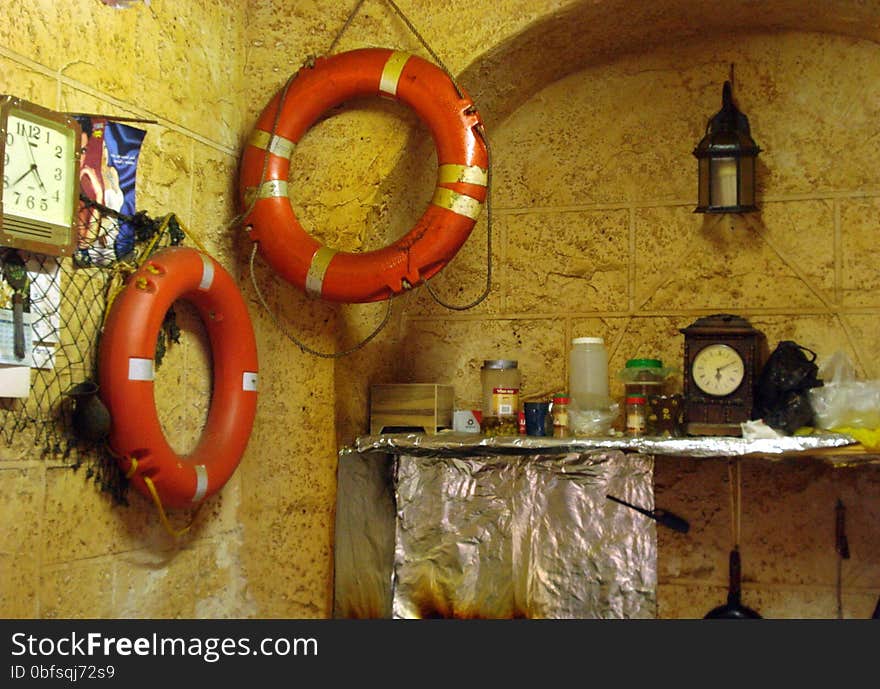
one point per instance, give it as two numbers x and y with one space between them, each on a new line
636 415
559 412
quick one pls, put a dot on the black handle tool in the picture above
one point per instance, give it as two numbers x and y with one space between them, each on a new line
667 519
15 274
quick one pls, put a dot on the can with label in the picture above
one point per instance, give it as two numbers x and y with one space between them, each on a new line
501 383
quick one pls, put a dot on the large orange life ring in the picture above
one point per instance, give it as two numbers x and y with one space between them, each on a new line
126 370
435 238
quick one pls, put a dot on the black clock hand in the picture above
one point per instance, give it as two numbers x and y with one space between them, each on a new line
34 166
31 169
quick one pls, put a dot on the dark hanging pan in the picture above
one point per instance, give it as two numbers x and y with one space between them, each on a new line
733 609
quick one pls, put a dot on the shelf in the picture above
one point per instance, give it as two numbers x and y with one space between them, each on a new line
834 448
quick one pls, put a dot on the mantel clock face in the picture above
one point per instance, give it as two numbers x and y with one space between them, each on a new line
718 370
723 357
40 195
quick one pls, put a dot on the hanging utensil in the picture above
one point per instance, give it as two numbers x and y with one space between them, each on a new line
734 609
15 274
841 545
668 519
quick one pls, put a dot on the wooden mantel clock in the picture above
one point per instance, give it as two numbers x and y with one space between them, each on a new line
723 357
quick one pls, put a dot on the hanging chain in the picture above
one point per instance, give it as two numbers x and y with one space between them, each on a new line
236 221
341 31
425 45
479 129
734 476
297 342
482 133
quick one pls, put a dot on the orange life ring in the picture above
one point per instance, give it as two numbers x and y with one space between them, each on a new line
126 370
435 238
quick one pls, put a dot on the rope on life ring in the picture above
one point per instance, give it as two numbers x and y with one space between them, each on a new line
126 372
462 176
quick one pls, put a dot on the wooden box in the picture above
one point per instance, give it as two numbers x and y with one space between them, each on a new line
399 407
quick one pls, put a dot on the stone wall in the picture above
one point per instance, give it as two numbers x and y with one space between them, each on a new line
592 112
593 233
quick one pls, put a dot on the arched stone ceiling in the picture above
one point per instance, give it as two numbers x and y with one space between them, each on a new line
591 32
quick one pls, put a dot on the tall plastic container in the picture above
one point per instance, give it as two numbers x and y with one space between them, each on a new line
588 373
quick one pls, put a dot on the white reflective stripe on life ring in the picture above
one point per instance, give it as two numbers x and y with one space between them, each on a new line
201 482
249 381
140 369
391 73
318 269
207 273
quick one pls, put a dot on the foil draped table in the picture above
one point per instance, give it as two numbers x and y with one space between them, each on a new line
458 525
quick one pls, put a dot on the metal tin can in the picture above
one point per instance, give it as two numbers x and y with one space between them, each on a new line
501 382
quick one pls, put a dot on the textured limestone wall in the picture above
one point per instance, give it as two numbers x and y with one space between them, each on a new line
594 234
261 547
592 117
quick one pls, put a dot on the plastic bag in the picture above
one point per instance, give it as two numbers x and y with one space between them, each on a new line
844 401
592 422
782 393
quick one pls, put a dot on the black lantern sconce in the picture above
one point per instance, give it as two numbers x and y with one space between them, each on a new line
726 161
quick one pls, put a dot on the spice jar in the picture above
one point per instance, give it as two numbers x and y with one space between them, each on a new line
636 415
501 383
559 413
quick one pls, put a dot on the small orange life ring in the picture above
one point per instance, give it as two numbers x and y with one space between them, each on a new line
432 242
126 371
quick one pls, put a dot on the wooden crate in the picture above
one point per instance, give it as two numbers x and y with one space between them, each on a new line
425 407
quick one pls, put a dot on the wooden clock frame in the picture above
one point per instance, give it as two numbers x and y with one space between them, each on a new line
721 415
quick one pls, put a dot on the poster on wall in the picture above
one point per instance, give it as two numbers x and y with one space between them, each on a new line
108 174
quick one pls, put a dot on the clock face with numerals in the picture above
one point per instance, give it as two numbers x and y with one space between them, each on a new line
718 370
40 177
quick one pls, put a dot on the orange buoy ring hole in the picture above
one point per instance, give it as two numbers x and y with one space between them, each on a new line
462 176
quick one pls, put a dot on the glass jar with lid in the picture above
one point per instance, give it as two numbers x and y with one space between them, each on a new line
501 383
644 377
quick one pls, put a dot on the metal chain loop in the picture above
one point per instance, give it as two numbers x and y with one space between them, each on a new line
304 347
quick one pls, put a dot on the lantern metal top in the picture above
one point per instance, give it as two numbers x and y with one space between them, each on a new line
726 157
727 133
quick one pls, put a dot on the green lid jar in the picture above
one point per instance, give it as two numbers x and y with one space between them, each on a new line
643 377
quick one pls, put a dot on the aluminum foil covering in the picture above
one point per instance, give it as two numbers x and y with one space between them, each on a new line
452 444
449 532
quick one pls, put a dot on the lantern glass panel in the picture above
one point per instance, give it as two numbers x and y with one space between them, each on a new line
704 182
723 185
747 181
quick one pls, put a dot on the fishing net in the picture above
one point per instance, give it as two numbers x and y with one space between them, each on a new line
64 303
